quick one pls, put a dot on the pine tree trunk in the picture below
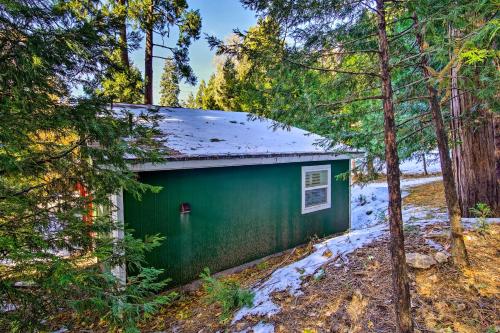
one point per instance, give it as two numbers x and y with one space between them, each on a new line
474 149
148 60
354 169
400 284
424 162
458 250
497 144
370 168
123 36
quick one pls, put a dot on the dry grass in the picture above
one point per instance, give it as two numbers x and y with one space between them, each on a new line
427 195
468 301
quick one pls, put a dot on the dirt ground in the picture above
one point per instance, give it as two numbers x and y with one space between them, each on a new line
356 297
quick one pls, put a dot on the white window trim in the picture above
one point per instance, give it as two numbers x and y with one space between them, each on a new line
328 204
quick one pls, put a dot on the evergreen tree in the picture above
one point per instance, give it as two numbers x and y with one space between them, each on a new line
123 82
458 250
227 90
61 156
474 104
208 101
190 102
199 94
161 16
169 94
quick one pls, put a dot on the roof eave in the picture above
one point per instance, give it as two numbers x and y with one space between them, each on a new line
214 161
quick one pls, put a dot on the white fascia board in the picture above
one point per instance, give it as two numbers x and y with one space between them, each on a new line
241 161
118 217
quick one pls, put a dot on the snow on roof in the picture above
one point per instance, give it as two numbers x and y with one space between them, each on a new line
210 133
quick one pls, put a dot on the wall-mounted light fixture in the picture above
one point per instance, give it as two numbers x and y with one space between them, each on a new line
185 208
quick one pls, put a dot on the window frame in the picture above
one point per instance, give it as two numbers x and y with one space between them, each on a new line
328 203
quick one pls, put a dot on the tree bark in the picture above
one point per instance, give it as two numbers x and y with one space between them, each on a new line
400 283
370 168
148 60
424 162
474 148
458 250
497 144
123 36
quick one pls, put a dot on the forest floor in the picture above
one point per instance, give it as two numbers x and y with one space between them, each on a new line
319 288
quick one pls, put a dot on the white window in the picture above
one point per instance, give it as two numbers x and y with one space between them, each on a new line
316 191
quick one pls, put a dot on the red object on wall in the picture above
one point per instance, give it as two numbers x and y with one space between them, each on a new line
87 218
185 208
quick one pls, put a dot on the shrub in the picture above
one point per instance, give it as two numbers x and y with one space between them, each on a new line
362 200
481 211
228 294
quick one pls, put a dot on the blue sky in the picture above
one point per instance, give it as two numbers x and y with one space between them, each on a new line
219 18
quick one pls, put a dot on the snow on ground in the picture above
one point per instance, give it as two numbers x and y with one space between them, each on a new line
410 166
469 222
260 328
263 328
290 277
415 165
369 202
366 228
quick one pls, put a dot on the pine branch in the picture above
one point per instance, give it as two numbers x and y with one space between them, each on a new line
22 192
408 85
322 69
414 98
165 47
350 100
164 58
412 133
413 118
328 53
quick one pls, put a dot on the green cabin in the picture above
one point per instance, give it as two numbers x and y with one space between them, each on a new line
235 189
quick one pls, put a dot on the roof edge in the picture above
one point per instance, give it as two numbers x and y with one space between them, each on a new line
201 162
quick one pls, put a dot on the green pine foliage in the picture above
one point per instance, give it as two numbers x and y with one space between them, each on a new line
190 102
166 16
123 85
169 85
482 211
123 81
198 100
227 294
58 139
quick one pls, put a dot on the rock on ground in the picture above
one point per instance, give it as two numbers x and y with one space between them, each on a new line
441 257
419 260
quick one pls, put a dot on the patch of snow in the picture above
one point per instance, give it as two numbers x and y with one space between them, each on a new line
473 221
263 328
423 215
260 328
7 307
369 202
290 277
410 166
61 330
415 164
435 245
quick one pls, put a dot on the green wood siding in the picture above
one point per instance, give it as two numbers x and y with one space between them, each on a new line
238 214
